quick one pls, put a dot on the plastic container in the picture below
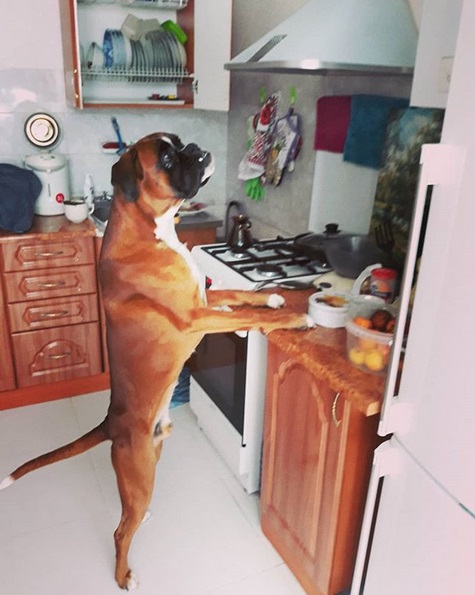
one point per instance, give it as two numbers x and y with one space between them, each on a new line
328 309
368 349
383 282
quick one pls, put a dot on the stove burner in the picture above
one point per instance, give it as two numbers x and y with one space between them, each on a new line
269 270
238 254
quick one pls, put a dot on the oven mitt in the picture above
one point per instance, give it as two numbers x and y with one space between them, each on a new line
254 162
285 147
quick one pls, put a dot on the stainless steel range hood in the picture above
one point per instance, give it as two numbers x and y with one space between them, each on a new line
372 37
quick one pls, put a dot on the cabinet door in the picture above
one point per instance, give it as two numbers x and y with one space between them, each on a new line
212 50
57 354
7 378
315 472
71 52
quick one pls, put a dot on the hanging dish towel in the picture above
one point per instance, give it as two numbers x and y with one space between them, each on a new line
286 143
367 130
254 162
19 189
333 119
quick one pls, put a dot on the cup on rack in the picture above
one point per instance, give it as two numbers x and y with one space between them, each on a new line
77 210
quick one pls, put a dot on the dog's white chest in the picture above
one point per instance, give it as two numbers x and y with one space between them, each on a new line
165 231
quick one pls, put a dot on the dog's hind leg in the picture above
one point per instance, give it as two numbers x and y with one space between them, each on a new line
135 469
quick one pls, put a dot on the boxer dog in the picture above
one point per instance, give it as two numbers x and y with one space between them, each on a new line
157 311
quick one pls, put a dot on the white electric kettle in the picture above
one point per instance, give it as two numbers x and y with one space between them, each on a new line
52 170
42 130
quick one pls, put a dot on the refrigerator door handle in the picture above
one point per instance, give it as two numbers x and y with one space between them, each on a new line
385 462
439 165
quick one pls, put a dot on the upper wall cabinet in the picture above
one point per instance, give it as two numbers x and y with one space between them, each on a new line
147 53
435 52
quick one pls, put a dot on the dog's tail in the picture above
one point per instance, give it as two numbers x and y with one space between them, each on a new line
82 444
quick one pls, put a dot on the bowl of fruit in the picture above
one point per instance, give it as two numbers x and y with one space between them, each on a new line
369 336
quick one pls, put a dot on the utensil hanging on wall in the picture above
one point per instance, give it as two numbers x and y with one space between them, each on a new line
122 147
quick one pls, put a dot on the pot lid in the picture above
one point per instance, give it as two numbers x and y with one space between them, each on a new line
42 130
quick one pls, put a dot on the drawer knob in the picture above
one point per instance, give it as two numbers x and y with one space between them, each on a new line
49 254
52 284
58 314
56 356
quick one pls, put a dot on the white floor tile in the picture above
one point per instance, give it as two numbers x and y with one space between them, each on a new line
57 524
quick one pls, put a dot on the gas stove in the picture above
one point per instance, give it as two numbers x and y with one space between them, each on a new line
271 261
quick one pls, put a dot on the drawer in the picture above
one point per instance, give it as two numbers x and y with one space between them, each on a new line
27 254
35 285
57 354
29 316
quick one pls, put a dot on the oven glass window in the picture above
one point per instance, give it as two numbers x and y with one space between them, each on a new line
219 367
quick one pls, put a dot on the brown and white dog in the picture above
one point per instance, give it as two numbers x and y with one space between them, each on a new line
156 314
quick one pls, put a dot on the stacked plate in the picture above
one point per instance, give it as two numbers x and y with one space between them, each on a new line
162 50
157 50
117 49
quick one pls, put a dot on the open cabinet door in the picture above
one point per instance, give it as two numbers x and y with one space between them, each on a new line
212 50
71 51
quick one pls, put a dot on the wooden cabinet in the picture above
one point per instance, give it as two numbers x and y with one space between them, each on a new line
7 375
147 69
316 466
50 292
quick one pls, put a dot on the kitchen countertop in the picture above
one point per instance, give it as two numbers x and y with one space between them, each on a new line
323 352
50 227
198 221
58 224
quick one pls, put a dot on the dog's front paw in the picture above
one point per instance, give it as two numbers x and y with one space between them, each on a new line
275 301
309 322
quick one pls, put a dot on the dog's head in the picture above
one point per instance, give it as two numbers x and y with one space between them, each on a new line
160 166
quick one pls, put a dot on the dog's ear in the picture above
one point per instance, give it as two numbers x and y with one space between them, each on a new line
127 174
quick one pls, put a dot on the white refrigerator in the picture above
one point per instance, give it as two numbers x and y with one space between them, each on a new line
418 535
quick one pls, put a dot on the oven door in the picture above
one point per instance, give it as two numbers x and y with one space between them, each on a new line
219 367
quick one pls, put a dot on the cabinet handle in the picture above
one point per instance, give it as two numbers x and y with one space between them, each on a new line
48 254
60 355
336 421
58 314
52 285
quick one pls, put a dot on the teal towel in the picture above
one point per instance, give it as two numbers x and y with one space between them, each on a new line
367 130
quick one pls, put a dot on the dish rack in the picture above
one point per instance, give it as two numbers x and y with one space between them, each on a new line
163 4
136 75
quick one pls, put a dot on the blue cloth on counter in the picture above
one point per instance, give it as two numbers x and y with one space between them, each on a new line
367 130
19 189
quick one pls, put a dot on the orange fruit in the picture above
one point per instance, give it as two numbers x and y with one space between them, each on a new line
363 322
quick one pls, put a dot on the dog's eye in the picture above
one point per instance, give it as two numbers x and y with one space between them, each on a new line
167 160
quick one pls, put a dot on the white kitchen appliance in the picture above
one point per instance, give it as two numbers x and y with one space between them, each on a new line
43 131
52 170
228 377
418 532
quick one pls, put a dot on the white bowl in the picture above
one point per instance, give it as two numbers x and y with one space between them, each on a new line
328 309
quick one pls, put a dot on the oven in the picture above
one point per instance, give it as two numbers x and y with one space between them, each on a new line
228 370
